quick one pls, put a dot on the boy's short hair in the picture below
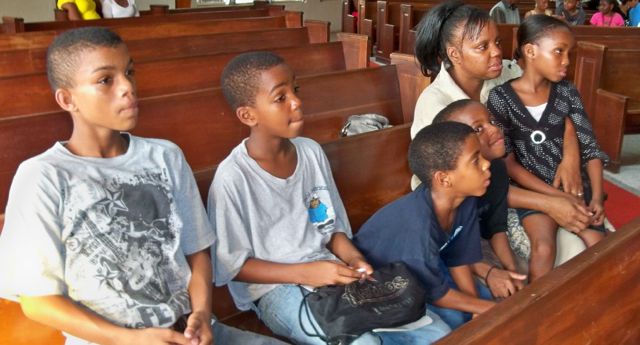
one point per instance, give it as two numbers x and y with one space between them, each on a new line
65 51
437 147
241 77
452 109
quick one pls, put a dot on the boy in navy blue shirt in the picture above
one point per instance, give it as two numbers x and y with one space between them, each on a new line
434 229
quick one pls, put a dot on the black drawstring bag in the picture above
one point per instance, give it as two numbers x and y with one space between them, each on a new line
346 312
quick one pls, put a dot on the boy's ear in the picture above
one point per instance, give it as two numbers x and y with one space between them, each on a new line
65 100
454 54
441 179
246 116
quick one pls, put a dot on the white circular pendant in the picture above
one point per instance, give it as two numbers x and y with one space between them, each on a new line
538 137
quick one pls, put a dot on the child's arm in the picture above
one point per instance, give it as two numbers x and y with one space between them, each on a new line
199 322
500 245
343 248
464 279
457 300
568 211
594 170
61 313
527 179
317 273
502 283
568 172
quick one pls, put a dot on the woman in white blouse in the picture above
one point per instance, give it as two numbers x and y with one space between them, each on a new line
119 9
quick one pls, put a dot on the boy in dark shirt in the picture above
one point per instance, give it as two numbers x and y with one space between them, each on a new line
434 229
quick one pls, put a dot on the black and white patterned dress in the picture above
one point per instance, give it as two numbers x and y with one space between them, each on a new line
518 125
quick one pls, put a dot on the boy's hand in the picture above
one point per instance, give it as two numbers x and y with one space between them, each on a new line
155 336
569 212
568 176
504 283
198 329
325 272
361 266
596 206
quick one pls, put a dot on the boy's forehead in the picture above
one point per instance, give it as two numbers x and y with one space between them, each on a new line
95 56
274 77
470 147
471 113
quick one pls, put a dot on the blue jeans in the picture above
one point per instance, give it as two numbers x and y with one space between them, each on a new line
279 309
456 318
223 334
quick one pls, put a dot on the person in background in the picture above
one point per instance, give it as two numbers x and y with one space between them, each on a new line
119 9
625 8
505 12
79 9
607 16
570 12
542 7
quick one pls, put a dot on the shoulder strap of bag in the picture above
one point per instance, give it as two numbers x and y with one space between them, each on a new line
305 304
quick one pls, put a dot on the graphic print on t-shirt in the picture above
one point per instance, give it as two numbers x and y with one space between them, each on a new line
321 214
122 246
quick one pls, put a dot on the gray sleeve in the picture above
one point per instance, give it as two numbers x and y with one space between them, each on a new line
31 247
234 246
196 233
498 16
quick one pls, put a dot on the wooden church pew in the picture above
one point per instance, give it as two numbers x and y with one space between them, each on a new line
24 61
145 20
591 299
31 40
31 94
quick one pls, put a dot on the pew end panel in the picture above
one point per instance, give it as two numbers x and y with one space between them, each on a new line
587 74
293 19
319 31
412 82
551 311
609 125
12 25
386 42
356 49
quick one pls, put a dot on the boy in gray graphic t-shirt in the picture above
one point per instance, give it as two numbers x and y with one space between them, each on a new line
106 237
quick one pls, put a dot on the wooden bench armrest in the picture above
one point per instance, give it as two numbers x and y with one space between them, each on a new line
350 24
412 82
356 49
367 28
609 123
12 25
319 31
387 42
293 19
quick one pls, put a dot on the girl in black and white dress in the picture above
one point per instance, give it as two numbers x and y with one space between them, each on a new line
532 111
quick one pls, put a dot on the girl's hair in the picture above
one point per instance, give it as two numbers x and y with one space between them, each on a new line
534 28
614 3
446 24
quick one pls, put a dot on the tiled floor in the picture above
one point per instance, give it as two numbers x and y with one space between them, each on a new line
629 176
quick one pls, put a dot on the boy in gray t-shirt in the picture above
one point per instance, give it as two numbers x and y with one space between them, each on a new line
106 238
275 207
